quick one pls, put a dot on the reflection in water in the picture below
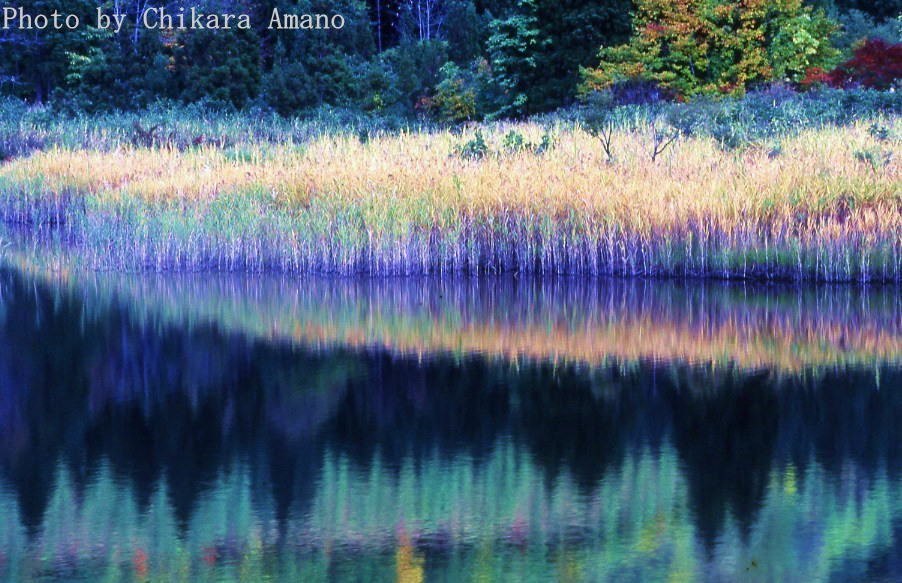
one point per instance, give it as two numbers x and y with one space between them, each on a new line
142 441
566 320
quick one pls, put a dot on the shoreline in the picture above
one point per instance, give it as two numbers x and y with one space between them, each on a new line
598 264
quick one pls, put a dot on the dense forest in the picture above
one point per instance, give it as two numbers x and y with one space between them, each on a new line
450 59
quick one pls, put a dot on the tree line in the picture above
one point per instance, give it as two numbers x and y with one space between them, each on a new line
452 59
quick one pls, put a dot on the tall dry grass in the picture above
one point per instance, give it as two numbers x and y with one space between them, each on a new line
406 204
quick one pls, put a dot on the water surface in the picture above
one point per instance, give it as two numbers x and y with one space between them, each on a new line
209 428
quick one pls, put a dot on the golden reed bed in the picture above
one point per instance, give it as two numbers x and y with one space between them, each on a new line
407 204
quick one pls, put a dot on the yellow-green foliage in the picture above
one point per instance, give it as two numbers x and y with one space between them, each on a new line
454 100
717 46
407 204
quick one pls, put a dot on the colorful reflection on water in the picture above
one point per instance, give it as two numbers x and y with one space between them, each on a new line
160 444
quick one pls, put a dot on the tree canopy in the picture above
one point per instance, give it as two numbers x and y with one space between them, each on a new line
456 59
717 46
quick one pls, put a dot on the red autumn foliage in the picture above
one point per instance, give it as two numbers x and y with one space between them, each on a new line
815 76
876 64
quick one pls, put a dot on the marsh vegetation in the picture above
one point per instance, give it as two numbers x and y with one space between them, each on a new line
711 189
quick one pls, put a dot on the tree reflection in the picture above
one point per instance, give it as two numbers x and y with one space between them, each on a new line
548 453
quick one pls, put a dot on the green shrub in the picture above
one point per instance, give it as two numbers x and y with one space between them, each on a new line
474 149
514 142
876 158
